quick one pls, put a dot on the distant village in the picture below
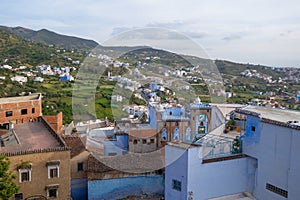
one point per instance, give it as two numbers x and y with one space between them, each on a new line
170 155
167 148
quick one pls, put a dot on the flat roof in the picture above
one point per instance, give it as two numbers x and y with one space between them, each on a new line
239 196
280 115
227 108
34 96
183 145
31 136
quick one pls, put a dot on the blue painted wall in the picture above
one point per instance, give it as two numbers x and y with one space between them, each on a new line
217 179
276 149
152 117
111 189
251 139
175 112
123 141
206 181
176 160
117 146
64 78
79 188
153 86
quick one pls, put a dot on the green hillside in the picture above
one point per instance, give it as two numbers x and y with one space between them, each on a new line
17 51
51 38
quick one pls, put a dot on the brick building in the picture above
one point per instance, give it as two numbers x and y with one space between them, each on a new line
39 157
142 138
20 109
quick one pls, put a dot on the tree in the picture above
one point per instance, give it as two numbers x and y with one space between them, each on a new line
7 186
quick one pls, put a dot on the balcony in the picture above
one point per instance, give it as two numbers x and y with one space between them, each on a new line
217 146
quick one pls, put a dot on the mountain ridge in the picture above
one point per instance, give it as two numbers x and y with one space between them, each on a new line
51 38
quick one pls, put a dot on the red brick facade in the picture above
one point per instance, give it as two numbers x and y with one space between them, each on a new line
20 109
56 122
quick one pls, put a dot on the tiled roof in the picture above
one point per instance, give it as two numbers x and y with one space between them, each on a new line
95 166
76 145
129 163
143 133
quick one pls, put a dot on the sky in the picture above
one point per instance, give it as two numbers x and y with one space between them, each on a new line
245 31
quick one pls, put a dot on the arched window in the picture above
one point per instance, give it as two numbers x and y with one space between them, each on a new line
188 135
176 135
164 134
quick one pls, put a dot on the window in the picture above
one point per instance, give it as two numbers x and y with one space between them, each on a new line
152 140
24 175
176 185
18 196
24 112
53 171
33 110
52 193
9 113
112 154
170 113
277 190
253 128
144 141
134 141
80 166
201 129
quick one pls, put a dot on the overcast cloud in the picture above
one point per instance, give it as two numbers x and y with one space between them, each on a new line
250 31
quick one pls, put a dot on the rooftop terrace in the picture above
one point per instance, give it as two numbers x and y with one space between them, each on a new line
29 137
279 115
34 96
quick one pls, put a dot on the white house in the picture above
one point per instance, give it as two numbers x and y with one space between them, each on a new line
20 79
38 79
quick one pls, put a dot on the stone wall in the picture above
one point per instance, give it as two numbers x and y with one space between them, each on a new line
39 173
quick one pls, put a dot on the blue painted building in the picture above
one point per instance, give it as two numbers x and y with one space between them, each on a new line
116 146
66 78
273 141
79 188
268 167
153 86
121 187
120 176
